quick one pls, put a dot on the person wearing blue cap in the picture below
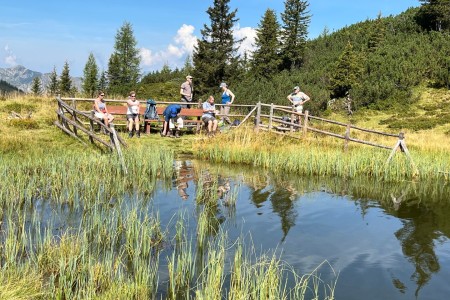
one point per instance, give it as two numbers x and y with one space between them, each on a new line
227 100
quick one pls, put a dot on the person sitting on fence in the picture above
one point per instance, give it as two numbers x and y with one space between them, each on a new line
133 115
298 98
100 109
172 121
209 115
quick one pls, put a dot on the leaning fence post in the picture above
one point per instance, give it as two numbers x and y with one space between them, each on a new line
305 122
116 144
292 118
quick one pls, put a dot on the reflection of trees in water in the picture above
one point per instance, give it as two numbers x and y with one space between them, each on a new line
417 239
422 207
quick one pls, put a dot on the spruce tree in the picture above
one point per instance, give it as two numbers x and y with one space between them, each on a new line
296 20
123 66
377 34
90 77
346 74
102 82
266 58
53 85
215 56
36 86
65 83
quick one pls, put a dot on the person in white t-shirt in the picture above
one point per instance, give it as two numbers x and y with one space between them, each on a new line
133 114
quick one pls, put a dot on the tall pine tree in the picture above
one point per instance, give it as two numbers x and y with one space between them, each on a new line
102 82
123 66
65 83
266 57
53 85
296 20
90 77
215 56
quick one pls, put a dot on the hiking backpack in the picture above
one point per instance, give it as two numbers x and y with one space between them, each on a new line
150 111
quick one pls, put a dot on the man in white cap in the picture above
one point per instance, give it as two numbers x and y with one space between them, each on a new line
187 91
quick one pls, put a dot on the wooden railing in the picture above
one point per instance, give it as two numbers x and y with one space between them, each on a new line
73 122
277 118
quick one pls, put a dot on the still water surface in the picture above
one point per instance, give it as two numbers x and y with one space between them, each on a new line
381 241
384 241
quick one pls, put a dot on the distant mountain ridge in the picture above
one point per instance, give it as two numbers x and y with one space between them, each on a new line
22 78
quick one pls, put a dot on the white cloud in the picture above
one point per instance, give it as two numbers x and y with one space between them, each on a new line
174 54
10 59
247 44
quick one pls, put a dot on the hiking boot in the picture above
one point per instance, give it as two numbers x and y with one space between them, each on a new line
177 134
138 134
130 134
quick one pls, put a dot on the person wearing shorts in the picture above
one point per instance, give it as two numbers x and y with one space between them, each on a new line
171 117
133 114
100 110
298 99
208 117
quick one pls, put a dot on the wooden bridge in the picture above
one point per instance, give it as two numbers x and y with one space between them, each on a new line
283 120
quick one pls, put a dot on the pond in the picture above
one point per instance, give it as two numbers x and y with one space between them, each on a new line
385 241
374 240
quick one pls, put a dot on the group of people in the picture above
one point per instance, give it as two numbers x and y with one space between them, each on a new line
173 122
133 113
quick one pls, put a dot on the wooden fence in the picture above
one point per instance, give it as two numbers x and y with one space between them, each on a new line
73 122
285 120
270 117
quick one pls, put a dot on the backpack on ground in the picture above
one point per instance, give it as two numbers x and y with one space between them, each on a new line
150 111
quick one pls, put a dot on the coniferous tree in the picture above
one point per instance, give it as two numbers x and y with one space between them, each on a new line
434 15
215 56
123 66
377 34
266 58
36 86
53 85
65 83
296 20
102 82
90 77
345 76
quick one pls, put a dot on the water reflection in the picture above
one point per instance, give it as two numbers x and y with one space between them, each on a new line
421 209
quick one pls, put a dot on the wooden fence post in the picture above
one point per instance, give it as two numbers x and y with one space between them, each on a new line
258 116
116 144
305 122
292 118
91 125
270 116
402 145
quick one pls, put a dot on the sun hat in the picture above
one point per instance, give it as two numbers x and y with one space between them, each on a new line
189 76
296 87
223 84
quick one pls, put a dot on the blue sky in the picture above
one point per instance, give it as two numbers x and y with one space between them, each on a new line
42 34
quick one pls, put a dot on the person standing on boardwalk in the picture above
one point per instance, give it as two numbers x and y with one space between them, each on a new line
133 115
298 99
208 117
187 91
227 100
100 109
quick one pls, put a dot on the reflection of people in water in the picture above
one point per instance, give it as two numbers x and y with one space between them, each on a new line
184 174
